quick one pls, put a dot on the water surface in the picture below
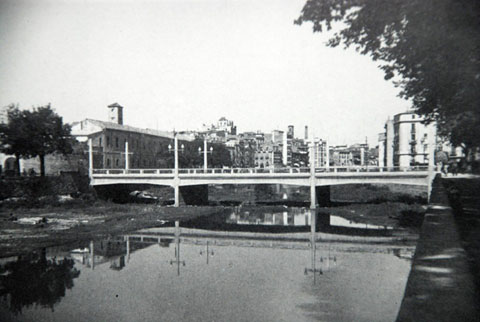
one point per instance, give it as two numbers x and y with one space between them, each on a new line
188 273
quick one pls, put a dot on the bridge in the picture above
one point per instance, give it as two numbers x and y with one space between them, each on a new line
315 178
195 181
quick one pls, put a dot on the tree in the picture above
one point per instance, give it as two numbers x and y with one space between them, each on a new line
35 133
430 48
13 138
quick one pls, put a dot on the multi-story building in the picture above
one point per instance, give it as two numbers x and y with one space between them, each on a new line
146 148
407 141
264 159
341 156
321 153
226 125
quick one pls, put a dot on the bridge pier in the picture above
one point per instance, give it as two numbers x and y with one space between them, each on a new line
194 195
176 192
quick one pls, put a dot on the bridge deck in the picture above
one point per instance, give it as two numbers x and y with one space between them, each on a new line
289 176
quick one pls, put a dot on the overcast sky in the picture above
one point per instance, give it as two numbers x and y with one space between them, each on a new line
181 63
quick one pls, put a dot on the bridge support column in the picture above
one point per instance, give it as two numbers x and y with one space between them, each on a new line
176 191
323 196
195 195
313 195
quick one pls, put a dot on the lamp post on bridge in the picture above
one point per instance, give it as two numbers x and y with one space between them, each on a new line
313 195
205 152
176 185
127 163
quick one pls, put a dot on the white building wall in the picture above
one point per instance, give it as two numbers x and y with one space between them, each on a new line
389 143
381 149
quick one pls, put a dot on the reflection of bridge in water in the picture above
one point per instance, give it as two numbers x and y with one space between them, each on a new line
323 247
194 181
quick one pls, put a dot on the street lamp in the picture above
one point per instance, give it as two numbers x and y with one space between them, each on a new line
176 181
205 152
175 150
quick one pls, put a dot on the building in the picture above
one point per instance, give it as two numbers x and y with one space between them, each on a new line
341 156
226 125
146 148
407 141
321 153
264 159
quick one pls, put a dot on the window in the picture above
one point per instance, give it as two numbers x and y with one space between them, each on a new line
99 141
116 142
108 162
117 162
108 141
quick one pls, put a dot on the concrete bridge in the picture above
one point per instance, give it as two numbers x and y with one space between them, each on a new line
193 183
196 181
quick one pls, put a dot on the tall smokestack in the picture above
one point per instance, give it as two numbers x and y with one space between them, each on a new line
306 132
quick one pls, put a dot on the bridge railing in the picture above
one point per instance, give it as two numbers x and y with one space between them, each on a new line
332 170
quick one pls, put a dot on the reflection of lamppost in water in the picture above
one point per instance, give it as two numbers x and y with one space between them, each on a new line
92 255
205 152
177 248
208 252
313 249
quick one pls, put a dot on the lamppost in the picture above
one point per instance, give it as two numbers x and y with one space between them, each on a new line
127 154
176 185
175 150
205 152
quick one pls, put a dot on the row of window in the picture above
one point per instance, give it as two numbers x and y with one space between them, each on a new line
134 143
109 162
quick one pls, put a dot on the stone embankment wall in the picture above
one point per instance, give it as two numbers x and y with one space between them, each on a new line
440 286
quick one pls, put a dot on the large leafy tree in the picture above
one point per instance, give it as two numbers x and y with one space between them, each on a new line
429 48
13 137
35 133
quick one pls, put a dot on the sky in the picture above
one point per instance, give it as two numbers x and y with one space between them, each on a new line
183 63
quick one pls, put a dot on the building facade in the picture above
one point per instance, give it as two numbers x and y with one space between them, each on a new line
407 141
146 148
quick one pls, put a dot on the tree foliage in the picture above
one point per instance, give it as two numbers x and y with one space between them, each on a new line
430 48
35 133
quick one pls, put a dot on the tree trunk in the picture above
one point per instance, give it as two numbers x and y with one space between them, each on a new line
42 165
17 165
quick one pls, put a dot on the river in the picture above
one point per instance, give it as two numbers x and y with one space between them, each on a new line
260 264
